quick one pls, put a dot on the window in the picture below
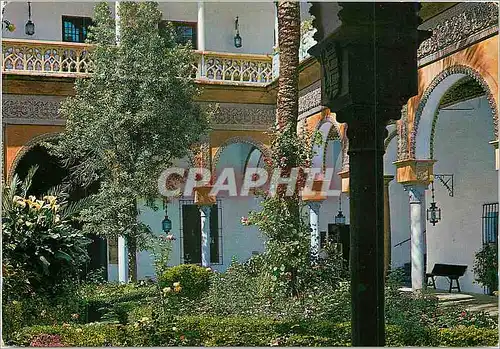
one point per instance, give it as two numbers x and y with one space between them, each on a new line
490 223
184 31
75 29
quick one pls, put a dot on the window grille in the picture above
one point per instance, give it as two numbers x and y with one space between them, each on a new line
490 223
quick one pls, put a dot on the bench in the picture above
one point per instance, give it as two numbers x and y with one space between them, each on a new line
451 271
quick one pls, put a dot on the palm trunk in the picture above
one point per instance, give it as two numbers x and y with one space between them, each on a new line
287 105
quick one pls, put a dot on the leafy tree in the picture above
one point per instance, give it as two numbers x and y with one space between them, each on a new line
130 118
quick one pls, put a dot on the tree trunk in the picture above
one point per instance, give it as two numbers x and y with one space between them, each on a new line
287 105
132 246
132 258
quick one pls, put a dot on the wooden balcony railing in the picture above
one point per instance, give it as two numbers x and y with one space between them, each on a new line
62 59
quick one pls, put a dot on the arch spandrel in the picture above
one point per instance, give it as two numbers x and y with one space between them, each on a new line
479 61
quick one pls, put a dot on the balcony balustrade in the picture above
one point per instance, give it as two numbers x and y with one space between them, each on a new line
62 59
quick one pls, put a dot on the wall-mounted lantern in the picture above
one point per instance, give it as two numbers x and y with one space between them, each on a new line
237 37
30 26
433 212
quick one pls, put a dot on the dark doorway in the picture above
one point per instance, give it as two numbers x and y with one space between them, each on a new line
49 174
339 233
191 237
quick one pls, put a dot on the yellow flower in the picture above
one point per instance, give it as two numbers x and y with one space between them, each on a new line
78 330
50 199
32 198
177 289
177 284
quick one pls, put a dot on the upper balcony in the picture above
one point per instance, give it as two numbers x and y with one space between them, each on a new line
63 59
56 48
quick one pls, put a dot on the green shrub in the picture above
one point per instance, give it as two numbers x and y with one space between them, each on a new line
40 310
234 292
462 336
486 266
193 279
113 301
42 251
240 331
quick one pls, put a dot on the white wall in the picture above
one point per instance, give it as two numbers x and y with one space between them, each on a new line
237 240
400 208
256 21
462 149
46 16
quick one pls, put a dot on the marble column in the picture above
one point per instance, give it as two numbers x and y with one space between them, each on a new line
122 260
387 225
205 235
417 228
200 36
314 207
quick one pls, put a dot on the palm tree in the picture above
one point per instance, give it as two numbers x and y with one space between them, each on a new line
287 104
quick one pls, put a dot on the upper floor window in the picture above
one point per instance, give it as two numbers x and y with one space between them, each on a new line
75 29
184 31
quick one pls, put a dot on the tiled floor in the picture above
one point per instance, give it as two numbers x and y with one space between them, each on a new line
471 301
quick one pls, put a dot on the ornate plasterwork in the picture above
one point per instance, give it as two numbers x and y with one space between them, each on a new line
389 138
457 69
310 100
402 127
244 116
30 107
472 18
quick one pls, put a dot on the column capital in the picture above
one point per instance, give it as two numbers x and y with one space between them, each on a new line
416 192
314 205
344 180
413 171
388 179
202 196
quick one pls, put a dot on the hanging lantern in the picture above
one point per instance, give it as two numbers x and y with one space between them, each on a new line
30 26
166 225
433 212
340 218
237 37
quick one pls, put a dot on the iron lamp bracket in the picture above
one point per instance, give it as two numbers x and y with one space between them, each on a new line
447 181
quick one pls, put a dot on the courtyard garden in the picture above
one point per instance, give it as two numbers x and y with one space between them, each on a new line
285 296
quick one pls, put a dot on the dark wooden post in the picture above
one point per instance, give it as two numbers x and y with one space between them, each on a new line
368 56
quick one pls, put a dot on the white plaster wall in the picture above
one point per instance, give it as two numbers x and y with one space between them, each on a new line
256 21
46 16
400 208
237 240
462 149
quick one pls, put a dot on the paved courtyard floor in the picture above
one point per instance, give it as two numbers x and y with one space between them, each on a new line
471 301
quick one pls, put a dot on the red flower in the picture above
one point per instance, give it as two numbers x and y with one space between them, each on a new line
255 177
198 177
